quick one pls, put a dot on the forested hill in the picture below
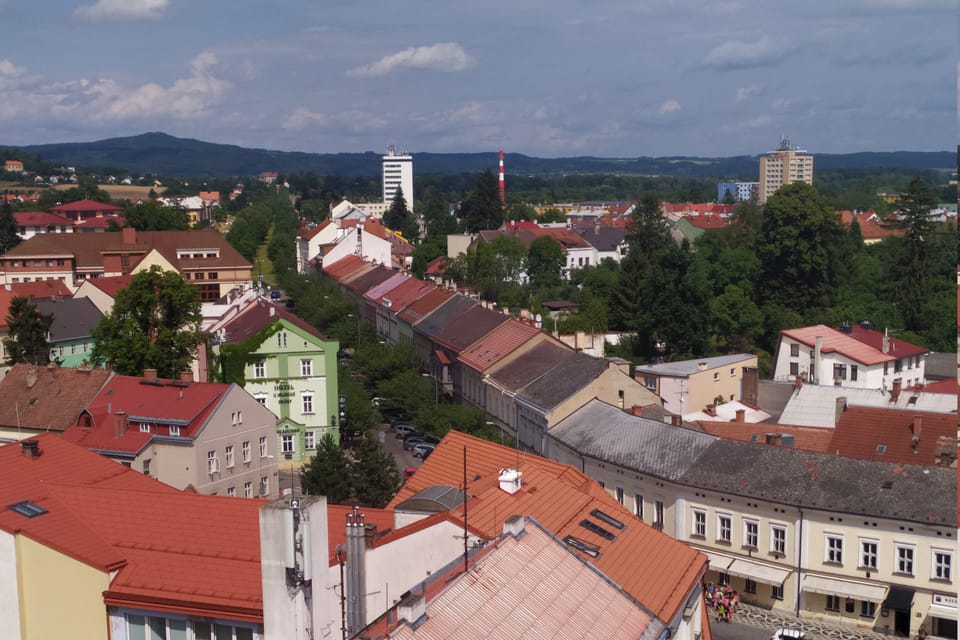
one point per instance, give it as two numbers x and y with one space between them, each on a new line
159 153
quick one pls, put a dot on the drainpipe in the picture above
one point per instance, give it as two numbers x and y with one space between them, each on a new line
799 556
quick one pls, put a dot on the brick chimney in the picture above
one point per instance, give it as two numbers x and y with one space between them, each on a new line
187 376
149 374
636 410
741 416
895 391
128 235
119 424
676 420
885 348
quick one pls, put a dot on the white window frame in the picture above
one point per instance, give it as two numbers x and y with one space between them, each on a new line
778 545
306 367
213 463
724 527
833 548
174 430
618 494
245 451
260 369
248 489
306 403
231 492
309 439
902 564
263 447
228 458
658 513
638 505
144 427
940 570
285 439
751 539
698 522
868 557
261 398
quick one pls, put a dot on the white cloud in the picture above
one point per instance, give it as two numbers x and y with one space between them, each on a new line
301 118
745 93
444 56
10 70
736 54
669 106
104 10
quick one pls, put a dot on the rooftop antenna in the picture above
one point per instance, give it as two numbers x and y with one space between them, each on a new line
784 144
466 549
501 186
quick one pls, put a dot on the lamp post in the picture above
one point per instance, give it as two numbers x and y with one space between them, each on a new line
357 316
436 388
495 424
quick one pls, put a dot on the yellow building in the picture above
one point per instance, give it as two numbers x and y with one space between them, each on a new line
783 166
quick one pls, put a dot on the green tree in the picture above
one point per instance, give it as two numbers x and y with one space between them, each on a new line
519 211
29 332
545 262
800 250
427 251
153 216
482 209
9 238
437 220
399 218
328 472
155 324
373 474
552 215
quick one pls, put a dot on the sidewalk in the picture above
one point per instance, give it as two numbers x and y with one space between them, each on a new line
814 628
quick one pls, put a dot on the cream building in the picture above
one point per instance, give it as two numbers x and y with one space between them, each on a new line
783 166
868 543
693 385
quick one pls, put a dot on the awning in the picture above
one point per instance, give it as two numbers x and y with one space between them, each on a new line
845 588
899 598
942 612
718 562
758 571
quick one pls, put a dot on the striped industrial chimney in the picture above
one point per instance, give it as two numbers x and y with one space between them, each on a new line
503 196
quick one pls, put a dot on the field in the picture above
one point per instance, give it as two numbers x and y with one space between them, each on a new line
116 191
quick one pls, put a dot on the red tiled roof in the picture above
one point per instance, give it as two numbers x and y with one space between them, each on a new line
112 285
861 430
375 294
345 266
39 218
898 348
82 206
839 342
942 386
656 570
436 267
815 439
257 316
500 342
98 223
367 280
870 225
708 221
426 305
308 233
407 293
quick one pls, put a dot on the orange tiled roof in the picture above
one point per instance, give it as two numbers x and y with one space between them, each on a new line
871 227
112 285
861 430
500 342
839 342
816 439
656 570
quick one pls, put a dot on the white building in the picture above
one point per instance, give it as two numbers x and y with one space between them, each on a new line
397 171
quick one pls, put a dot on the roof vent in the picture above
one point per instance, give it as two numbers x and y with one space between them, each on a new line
413 609
31 448
510 480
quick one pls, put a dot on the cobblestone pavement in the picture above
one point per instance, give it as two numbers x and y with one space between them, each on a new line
814 628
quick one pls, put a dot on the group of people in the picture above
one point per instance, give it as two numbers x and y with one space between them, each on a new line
722 599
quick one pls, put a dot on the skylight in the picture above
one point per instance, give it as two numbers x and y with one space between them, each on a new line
28 509
610 520
591 550
597 529
881 448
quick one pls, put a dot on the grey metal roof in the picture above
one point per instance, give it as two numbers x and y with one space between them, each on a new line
73 318
940 366
820 481
815 405
604 432
470 326
530 366
559 383
773 397
437 322
685 368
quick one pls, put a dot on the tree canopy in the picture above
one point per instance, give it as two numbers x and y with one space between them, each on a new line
482 209
154 324
399 218
29 332
368 476
9 238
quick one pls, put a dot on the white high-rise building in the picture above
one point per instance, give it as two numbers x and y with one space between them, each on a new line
784 166
397 171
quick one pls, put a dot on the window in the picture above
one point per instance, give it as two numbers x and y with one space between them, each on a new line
264 489
236 417
213 462
228 456
259 369
833 603
794 350
750 586
777 592
839 372
658 514
245 450
309 440
263 446
699 523
231 492
248 489
723 578
261 398
868 554
794 369
716 376
733 372
211 275
307 400
942 561
723 527
853 372
751 533
144 427
281 339
868 609
904 560
834 549
638 505
286 443
146 466
619 493
650 382
778 539
306 367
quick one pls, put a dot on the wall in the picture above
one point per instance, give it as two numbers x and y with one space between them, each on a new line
51 581
9 586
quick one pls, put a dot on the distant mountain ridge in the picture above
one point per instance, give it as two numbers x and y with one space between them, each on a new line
160 153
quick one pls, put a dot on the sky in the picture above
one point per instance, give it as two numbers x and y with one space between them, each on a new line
557 78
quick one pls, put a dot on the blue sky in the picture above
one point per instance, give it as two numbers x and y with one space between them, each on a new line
612 78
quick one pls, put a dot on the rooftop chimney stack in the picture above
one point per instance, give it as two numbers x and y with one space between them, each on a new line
31 448
885 348
510 480
120 424
356 589
149 374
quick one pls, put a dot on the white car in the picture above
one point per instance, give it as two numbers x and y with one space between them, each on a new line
788 634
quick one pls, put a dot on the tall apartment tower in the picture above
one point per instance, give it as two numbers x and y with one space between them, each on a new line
784 166
397 171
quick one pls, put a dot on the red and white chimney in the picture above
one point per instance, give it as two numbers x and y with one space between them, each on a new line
501 184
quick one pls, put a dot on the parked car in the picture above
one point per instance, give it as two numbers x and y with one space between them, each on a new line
788 634
276 294
408 473
423 450
402 429
412 441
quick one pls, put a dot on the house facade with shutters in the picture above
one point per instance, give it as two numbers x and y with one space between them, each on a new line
288 367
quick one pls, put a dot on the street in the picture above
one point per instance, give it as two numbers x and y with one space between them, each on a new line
737 631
